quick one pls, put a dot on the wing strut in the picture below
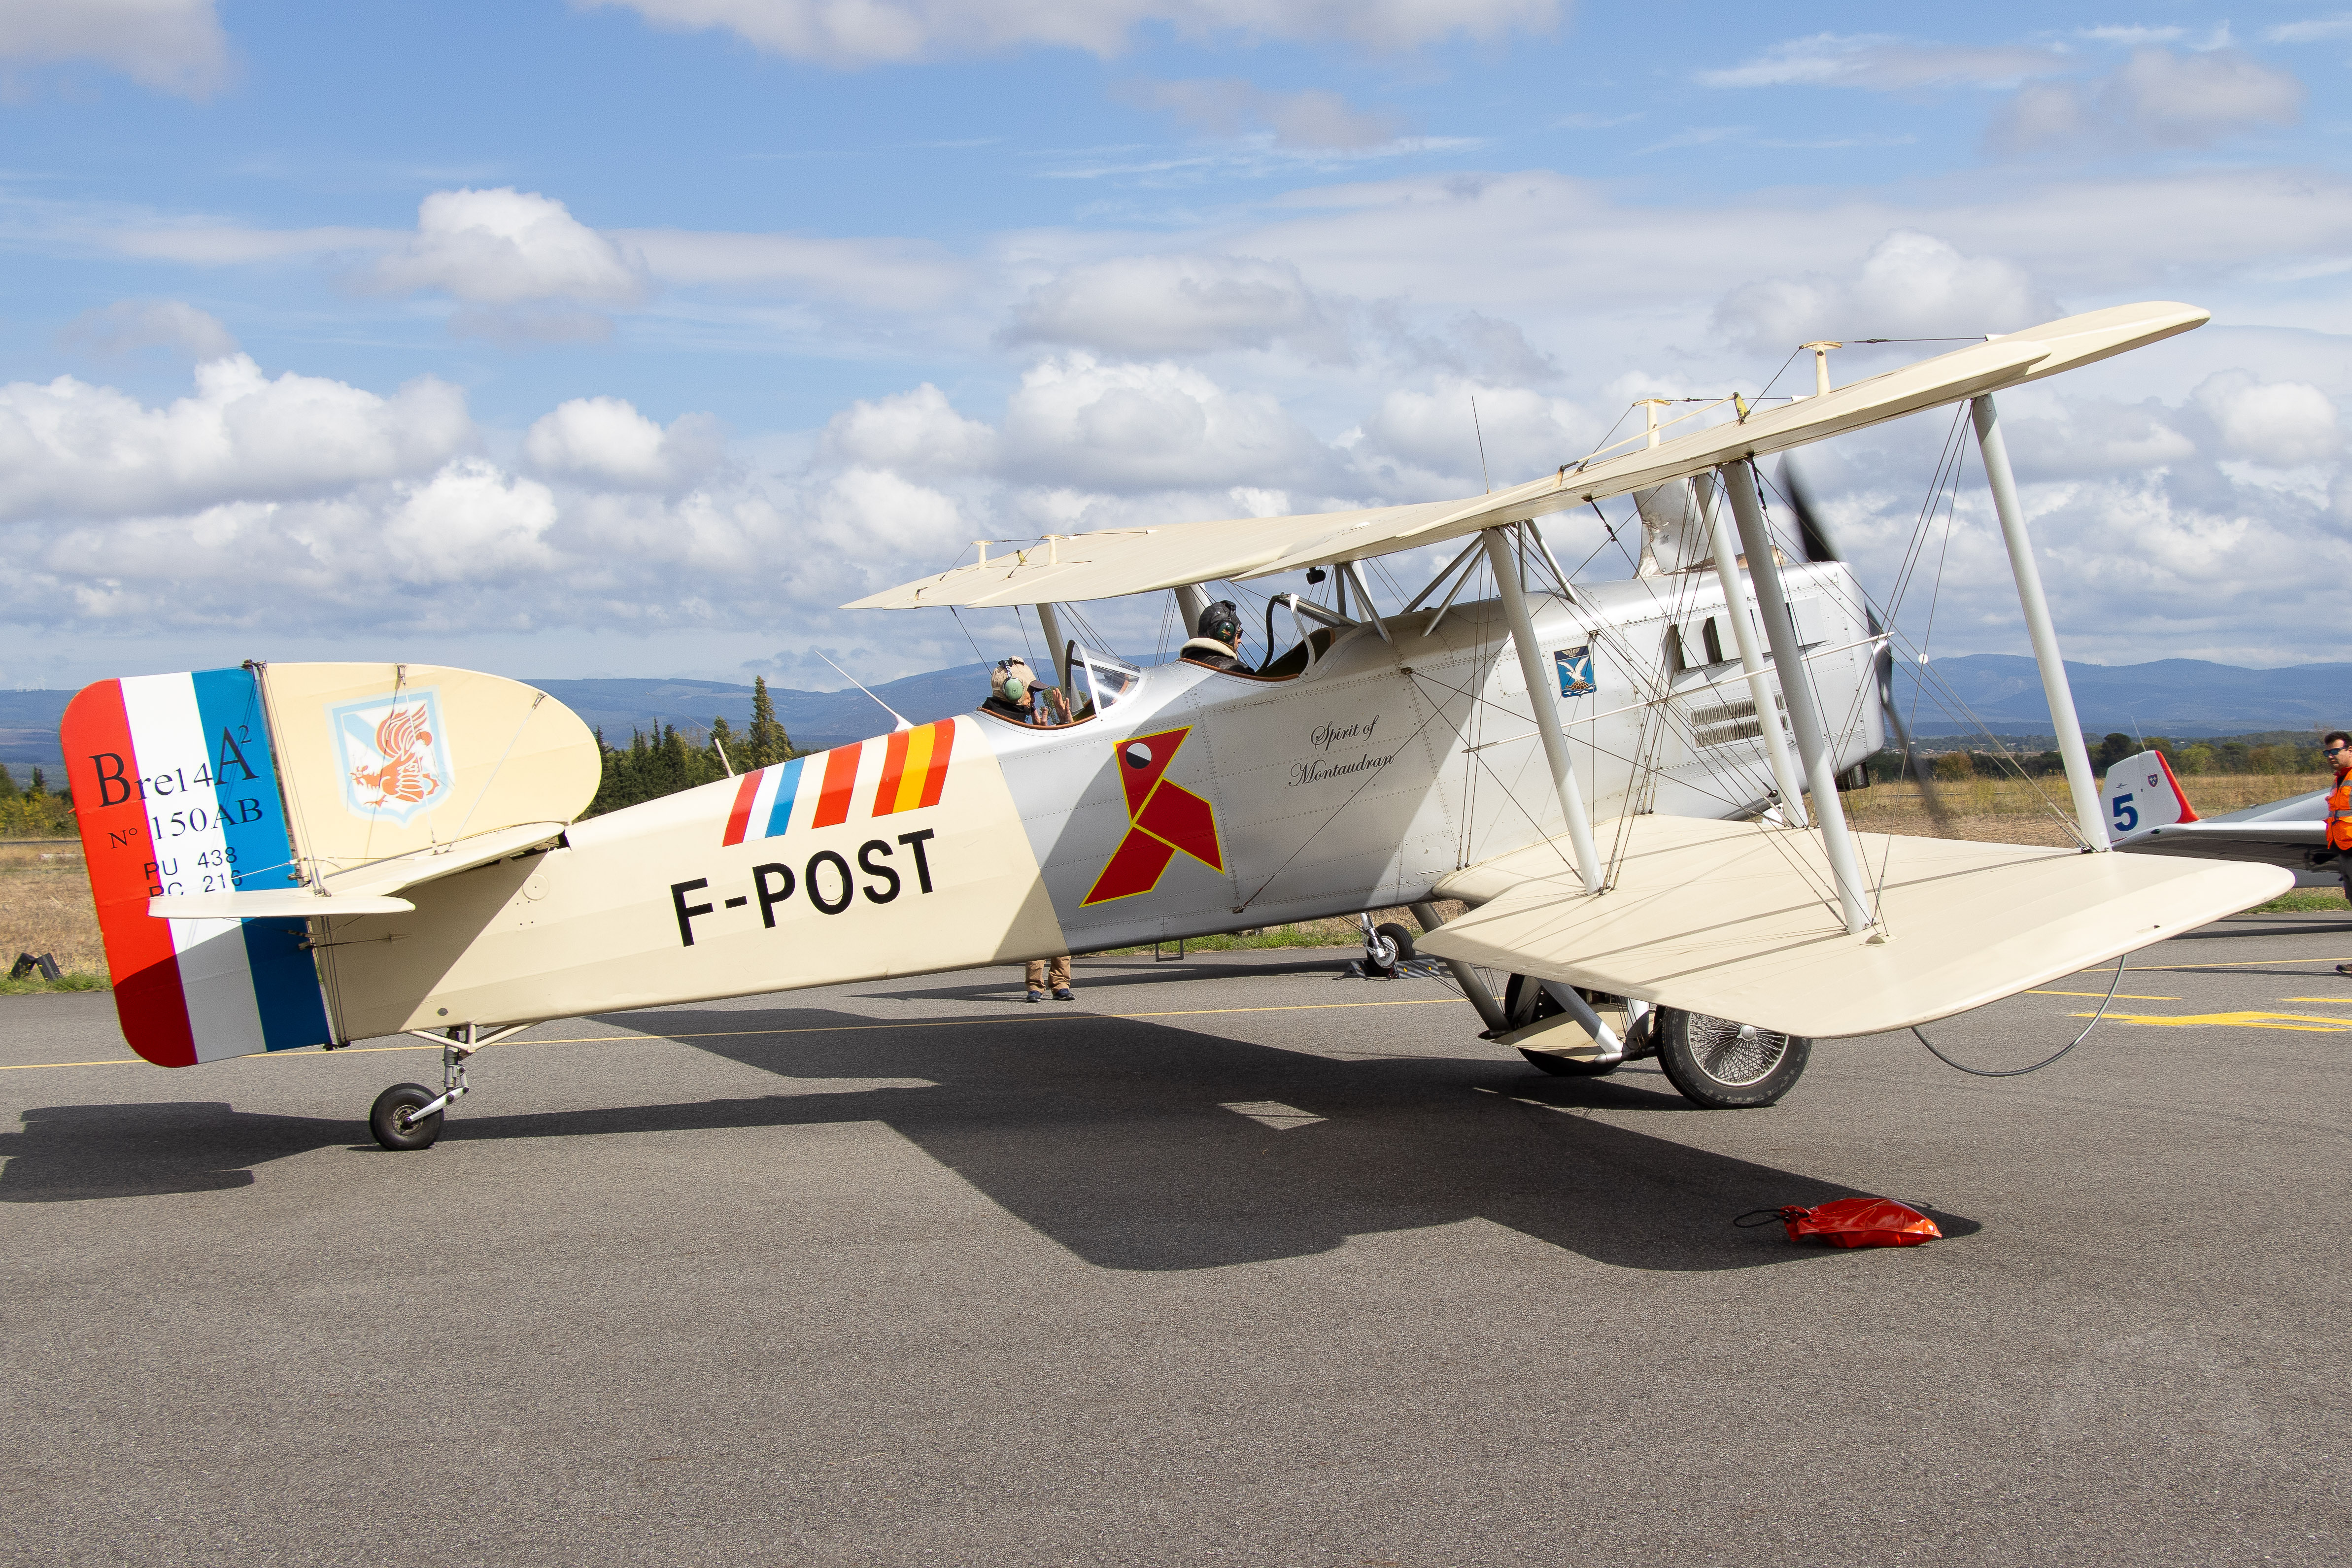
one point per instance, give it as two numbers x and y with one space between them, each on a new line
2054 685
1543 687
1797 690
1751 659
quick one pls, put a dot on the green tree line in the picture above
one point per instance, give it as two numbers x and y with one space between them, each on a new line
666 762
2273 754
32 810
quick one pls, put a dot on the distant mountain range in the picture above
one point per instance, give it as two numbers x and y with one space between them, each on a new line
2177 697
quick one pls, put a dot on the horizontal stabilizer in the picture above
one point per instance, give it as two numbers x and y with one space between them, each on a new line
389 759
276 903
1739 921
440 860
2278 843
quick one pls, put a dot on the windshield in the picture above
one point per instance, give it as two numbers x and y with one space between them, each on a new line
1105 679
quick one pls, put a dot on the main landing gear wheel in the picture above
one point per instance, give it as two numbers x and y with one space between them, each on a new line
1514 996
394 1120
1727 1066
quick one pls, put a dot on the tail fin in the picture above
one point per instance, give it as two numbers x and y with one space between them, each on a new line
269 778
175 788
2142 796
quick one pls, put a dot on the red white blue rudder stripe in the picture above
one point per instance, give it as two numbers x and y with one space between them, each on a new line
175 788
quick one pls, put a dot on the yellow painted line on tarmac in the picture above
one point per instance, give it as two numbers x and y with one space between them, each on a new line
2230 963
2120 995
2302 1022
2344 1001
811 1029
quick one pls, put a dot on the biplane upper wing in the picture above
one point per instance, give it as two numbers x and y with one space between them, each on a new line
1964 924
1114 561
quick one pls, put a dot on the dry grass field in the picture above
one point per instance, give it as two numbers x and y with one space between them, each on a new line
45 893
45 906
2037 811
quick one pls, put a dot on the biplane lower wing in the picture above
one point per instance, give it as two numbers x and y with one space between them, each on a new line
1736 920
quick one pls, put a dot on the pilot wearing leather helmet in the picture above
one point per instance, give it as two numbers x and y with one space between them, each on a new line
1219 644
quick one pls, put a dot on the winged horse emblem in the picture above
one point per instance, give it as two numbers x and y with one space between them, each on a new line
405 776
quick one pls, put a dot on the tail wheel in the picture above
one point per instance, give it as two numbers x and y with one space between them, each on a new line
1725 1065
394 1120
1514 998
1389 947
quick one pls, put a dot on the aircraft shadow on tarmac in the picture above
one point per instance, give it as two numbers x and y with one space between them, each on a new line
1107 1135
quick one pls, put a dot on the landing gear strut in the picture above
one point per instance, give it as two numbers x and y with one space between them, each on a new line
408 1115
1718 1063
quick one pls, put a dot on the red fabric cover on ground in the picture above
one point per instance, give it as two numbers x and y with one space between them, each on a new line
1861 1222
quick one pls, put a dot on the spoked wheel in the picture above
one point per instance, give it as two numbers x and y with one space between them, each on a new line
1725 1065
394 1120
1515 995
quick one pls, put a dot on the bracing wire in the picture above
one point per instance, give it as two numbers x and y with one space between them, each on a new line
2037 1067
968 637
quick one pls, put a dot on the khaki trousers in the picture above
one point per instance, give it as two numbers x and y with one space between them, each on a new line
1061 969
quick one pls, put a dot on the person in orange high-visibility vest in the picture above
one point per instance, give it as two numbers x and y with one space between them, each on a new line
2337 749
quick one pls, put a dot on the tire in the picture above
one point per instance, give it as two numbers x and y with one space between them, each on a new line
1550 1062
391 1127
1727 1066
1398 938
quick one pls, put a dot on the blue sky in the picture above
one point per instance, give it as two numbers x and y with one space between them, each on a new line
630 338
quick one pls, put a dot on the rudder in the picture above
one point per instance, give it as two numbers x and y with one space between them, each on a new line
175 790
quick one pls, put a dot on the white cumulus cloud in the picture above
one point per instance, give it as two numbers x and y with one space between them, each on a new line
175 46
917 432
1118 428
70 448
1910 285
1142 305
606 441
2283 424
506 246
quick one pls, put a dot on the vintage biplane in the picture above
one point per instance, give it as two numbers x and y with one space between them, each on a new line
1633 785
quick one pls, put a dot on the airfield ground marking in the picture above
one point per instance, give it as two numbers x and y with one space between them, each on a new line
2230 963
814 1029
2301 1023
2129 996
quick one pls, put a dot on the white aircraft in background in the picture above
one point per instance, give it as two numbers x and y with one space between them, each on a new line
2150 814
1632 783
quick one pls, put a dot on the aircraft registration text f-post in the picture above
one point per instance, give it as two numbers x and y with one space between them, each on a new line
1626 782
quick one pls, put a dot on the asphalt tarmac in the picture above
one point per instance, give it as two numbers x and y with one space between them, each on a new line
1231 1261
